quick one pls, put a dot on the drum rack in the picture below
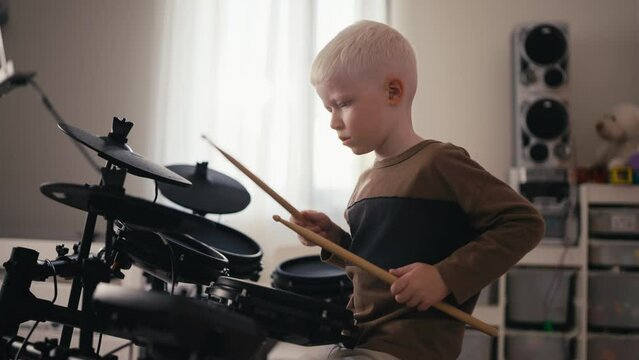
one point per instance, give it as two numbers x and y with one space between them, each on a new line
170 246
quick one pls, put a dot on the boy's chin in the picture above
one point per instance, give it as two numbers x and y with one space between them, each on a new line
360 151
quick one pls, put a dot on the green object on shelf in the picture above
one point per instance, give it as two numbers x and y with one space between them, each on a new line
548 326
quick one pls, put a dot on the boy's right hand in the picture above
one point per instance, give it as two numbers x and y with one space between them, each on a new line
318 223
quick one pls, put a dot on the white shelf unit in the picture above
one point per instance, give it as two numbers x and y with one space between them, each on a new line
599 194
568 256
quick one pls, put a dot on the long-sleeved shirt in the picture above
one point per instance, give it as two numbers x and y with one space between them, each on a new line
431 204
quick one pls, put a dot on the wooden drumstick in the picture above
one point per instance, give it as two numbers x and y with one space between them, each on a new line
280 200
382 274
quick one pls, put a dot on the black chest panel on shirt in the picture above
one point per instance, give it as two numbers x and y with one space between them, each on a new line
393 231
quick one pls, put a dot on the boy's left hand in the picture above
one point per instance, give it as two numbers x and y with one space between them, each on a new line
418 285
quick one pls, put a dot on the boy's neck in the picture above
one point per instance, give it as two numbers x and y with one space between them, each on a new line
397 142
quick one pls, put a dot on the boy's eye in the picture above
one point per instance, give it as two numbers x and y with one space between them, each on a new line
343 104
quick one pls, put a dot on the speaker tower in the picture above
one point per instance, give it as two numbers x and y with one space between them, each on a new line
543 153
541 106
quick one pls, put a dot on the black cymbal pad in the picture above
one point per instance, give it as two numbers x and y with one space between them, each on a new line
114 149
211 191
112 205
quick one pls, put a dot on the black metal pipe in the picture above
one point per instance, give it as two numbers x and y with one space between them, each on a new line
44 310
108 241
66 267
16 284
33 351
76 286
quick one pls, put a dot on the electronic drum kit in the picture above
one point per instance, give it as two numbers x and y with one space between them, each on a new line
230 316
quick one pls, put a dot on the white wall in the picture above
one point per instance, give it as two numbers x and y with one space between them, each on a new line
464 59
96 60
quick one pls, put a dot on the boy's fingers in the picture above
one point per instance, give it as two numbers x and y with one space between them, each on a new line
311 215
306 242
423 306
402 270
401 297
297 221
404 297
413 302
398 286
309 224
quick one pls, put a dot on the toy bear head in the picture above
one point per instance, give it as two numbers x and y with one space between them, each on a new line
620 132
621 125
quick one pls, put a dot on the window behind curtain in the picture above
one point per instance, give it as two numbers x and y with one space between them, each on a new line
238 71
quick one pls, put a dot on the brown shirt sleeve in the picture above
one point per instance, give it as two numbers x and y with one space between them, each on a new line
331 258
509 226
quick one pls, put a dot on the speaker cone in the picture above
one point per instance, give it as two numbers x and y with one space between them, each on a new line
553 77
547 119
545 44
539 153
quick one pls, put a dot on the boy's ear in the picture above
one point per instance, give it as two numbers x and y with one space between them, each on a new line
394 91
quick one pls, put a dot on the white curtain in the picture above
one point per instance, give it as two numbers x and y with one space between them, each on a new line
238 71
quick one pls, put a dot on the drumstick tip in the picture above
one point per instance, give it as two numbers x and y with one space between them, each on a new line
206 138
277 218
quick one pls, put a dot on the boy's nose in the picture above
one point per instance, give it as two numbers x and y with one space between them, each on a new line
336 121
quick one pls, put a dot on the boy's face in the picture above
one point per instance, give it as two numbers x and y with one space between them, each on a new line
359 109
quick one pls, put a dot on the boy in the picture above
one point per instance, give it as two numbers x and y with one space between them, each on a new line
441 223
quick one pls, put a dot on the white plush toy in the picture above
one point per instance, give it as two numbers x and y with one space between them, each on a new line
620 130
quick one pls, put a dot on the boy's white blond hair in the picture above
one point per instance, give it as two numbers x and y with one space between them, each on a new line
364 47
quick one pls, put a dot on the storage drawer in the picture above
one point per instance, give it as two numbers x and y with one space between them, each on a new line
476 346
539 346
620 222
611 347
614 253
538 296
613 299
560 219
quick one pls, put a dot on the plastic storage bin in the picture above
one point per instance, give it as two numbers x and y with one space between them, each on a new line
476 346
616 222
612 300
612 347
537 297
539 346
608 253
